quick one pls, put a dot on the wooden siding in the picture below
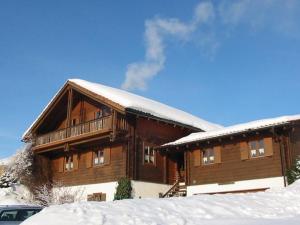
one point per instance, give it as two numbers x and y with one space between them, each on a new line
234 166
90 174
295 142
154 134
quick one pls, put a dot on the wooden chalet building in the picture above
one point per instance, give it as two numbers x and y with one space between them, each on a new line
242 158
91 135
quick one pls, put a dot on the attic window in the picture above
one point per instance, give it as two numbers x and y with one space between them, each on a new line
98 114
74 121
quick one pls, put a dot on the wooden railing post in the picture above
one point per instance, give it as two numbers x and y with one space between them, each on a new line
69 110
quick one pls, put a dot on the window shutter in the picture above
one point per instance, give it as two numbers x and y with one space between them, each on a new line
89 159
197 157
107 155
268 143
61 164
75 161
103 197
217 152
244 148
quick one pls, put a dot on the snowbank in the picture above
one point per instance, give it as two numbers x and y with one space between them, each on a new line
268 208
16 195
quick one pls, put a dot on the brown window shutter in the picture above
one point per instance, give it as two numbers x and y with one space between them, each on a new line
268 143
107 155
103 197
244 148
197 157
61 164
75 161
217 152
89 159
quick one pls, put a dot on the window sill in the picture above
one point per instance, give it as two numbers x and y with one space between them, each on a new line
100 165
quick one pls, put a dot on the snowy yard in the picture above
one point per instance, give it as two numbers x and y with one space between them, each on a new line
269 208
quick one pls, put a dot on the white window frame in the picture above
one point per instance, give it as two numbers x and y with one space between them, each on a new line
208 156
69 163
98 157
149 155
258 147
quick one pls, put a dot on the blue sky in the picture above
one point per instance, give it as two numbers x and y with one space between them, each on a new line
224 61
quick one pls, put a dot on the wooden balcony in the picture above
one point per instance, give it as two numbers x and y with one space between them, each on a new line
99 126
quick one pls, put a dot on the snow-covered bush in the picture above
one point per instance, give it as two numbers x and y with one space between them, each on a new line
6 180
123 190
20 167
56 193
293 173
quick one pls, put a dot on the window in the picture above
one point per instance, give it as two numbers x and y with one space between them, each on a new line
17 215
74 121
149 155
208 156
99 157
69 165
98 114
257 148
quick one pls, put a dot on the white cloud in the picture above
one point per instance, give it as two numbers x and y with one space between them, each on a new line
157 29
276 15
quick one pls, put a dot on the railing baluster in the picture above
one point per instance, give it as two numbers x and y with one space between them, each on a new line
88 127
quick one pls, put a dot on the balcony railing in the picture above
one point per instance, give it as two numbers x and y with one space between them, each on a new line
104 123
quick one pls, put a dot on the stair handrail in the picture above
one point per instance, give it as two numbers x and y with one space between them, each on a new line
171 189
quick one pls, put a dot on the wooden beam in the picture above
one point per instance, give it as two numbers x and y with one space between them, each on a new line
69 107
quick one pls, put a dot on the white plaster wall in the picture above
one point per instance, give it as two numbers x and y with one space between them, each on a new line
108 188
148 190
273 182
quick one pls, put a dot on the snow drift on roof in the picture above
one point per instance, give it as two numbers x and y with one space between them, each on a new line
135 102
254 125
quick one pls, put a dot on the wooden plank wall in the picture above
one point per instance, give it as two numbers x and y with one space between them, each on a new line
295 142
232 168
155 133
95 174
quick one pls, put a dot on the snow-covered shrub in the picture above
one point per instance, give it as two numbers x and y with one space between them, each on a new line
20 167
293 173
6 180
56 193
123 190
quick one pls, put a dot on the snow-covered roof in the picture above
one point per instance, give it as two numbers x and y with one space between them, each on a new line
244 127
140 104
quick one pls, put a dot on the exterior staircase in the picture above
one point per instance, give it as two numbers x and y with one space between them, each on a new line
177 190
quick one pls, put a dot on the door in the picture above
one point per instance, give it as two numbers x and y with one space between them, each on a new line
176 167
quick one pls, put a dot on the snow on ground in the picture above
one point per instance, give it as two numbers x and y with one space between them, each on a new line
268 208
16 195
253 125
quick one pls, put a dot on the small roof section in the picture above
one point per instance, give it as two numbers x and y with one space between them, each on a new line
244 127
135 103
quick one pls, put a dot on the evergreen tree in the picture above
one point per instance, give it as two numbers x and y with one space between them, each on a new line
123 190
293 173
